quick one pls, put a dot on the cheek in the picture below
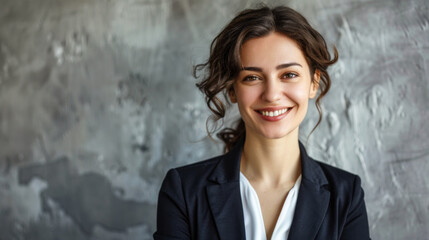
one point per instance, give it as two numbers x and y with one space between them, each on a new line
247 96
299 93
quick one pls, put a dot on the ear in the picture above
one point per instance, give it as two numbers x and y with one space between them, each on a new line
231 94
314 86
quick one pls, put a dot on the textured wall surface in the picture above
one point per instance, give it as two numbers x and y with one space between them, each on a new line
97 102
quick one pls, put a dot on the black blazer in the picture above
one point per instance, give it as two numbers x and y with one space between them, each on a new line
202 201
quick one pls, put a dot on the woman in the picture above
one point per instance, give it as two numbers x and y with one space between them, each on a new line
269 62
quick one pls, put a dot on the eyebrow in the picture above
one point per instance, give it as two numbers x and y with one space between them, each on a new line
281 66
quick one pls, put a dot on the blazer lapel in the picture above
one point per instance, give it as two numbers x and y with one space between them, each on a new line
224 196
312 202
225 204
310 211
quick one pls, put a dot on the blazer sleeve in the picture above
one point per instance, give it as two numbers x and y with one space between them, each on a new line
172 220
356 226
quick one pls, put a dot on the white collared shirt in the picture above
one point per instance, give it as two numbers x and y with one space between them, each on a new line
253 220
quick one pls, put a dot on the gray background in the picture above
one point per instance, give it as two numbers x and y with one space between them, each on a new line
97 102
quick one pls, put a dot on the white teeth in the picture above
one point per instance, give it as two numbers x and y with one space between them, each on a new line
274 113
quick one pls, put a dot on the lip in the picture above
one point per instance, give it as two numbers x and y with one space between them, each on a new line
272 109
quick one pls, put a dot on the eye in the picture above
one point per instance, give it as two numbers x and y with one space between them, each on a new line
251 78
290 75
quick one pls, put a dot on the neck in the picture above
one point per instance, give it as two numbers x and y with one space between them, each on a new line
272 162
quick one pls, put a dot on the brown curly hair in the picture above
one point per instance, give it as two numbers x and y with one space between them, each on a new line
224 64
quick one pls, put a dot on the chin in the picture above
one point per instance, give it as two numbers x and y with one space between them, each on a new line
275 135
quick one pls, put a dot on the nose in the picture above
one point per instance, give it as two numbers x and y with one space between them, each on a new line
273 90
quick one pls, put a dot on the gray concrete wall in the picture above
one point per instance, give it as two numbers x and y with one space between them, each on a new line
97 102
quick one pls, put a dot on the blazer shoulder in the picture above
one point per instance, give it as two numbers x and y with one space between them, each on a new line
335 172
197 173
340 180
348 198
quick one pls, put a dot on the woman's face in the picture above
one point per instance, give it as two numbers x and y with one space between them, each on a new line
273 87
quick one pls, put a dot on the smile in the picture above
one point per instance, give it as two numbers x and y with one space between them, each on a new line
274 114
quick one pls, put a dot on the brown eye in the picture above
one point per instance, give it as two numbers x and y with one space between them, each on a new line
290 75
251 78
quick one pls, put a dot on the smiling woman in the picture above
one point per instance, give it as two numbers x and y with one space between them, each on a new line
273 87
269 62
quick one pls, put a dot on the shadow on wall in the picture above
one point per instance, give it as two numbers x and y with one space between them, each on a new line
88 199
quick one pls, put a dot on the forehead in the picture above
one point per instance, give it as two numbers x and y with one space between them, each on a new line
270 51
